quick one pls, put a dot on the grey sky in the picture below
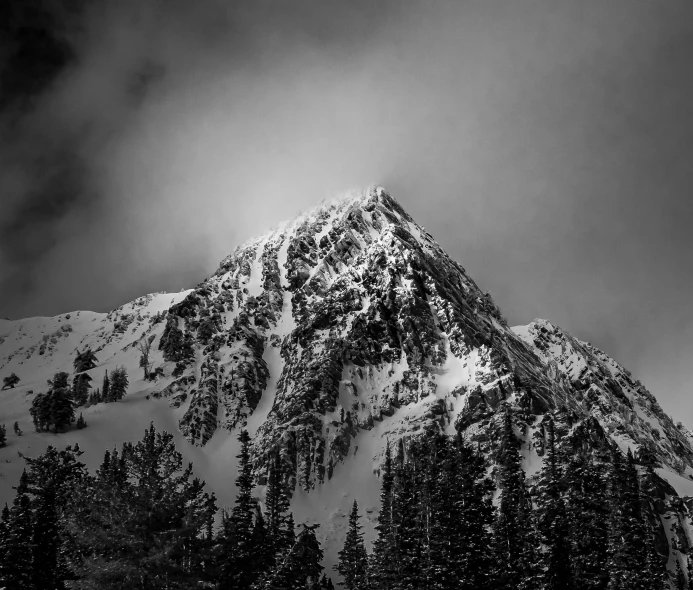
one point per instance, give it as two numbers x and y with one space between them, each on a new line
546 144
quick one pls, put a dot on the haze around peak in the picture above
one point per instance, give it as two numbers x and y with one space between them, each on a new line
545 145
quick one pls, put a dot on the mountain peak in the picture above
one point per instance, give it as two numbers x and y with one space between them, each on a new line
337 332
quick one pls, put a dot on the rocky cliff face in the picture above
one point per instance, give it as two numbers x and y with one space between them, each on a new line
351 319
370 318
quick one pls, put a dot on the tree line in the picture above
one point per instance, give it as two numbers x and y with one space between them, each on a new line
446 520
586 526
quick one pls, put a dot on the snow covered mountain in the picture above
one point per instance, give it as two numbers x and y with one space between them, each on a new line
327 337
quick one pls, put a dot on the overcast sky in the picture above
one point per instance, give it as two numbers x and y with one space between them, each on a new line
546 144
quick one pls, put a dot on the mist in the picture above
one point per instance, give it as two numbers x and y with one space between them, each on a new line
546 145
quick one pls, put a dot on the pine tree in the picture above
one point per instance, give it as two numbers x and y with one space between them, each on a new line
277 505
4 537
41 411
119 384
515 541
3 435
81 422
46 542
62 412
627 543
474 513
237 568
10 381
17 567
588 522
106 388
381 570
553 523
406 524
262 559
353 559
17 429
84 361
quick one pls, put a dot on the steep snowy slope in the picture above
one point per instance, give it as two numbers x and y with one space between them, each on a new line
327 337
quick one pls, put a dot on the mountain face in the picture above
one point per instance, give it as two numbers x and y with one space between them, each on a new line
342 330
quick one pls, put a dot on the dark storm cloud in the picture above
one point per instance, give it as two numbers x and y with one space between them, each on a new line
546 144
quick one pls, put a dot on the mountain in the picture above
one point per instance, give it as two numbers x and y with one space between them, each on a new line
337 332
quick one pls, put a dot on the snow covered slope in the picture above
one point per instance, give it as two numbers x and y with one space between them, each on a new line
327 337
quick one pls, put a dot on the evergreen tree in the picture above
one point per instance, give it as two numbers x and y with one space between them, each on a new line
10 381
407 546
83 362
17 429
277 506
106 388
81 422
353 559
41 411
237 568
143 522
381 570
17 571
46 543
553 523
588 522
119 384
627 544
4 539
469 536
262 559
3 435
62 412
515 540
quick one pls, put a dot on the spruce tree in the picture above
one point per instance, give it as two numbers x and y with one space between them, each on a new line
106 388
588 522
81 422
237 570
406 524
628 540
515 540
119 384
3 435
84 361
381 569
41 411
4 537
553 524
17 429
277 505
46 543
353 559
62 412
472 517
18 565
